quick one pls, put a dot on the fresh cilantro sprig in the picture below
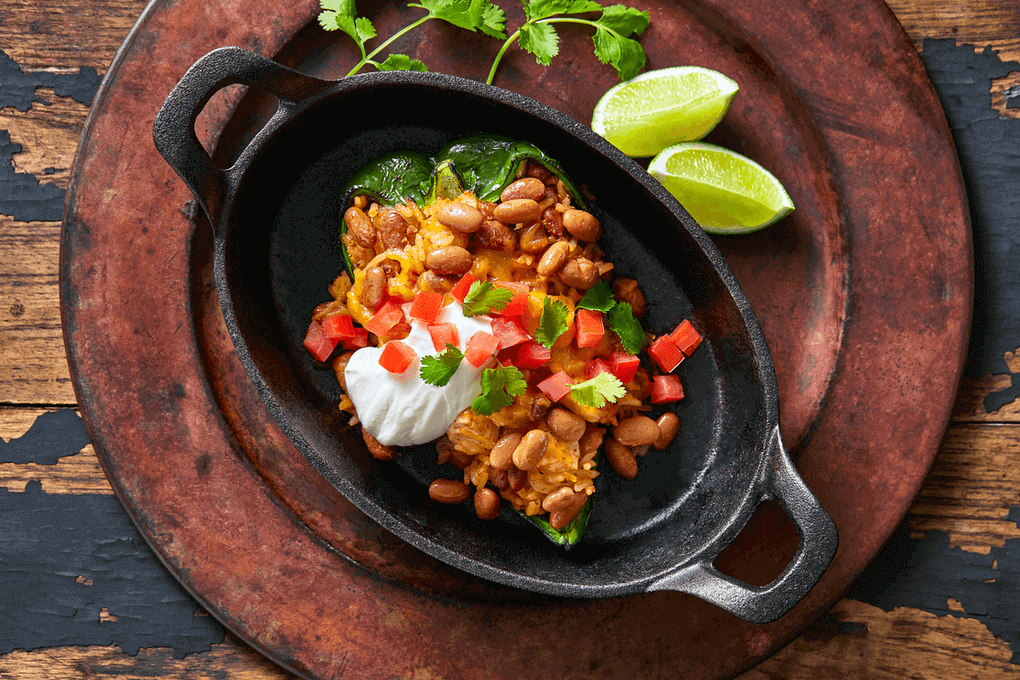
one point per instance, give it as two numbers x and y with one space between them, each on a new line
438 369
619 315
483 297
499 387
614 27
553 322
473 15
596 392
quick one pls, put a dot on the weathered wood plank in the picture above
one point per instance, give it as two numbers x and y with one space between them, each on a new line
974 22
48 133
33 366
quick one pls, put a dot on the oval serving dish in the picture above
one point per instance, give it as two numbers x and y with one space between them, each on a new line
275 214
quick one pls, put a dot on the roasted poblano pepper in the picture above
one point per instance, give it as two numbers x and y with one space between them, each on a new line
484 165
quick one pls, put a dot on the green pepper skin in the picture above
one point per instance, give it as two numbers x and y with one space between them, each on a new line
485 165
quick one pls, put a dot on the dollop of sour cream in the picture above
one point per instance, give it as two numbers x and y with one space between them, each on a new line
401 409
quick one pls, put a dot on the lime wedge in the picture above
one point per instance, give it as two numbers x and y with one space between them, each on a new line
644 115
725 192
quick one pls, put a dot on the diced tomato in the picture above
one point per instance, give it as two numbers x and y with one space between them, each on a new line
556 386
443 333
532 354
480 348
338 326
509 332
396 356
518 304
460 291
596 366
685 337
426 306
589 327
624 366
666 389
388 316
318 344
359 339
666 354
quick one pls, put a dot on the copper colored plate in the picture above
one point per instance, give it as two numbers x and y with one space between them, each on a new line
864 295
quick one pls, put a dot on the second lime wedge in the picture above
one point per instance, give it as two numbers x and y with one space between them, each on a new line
725 192
644 115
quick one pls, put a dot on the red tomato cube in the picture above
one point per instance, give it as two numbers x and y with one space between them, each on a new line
666 354
358 340
666 389
460 291
338 326
509 332
388 316
480 348
556 386
595 367
624 366
532 354
589 327
518 304
396 356
426 306
318 344
443 333
685 337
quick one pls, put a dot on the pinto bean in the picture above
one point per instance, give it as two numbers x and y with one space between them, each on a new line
449 260
553 258
360 227
558 499
392 228
552 220
580 273
449 491
373 290
668 424
499 478
378 451
636 431
460 217
590 441
501 456
517 210
531 449
526 187
628 290
486 503
436 283
582 225
565 424
533 238
497 236
621 458
562 517
516 477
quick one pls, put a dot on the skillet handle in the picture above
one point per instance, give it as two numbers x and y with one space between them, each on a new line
818 541
174 128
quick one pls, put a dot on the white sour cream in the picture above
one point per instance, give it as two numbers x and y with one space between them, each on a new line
400 409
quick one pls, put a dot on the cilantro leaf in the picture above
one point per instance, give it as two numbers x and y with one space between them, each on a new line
482 297
543 9
625 54
540 40
596 392
402 62
626 21
472 15
553 322
599 298
499 387
437 369
627 328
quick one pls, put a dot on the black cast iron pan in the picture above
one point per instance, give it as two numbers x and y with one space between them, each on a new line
275 213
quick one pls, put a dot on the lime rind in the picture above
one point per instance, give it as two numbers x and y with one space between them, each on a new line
654 110
724 191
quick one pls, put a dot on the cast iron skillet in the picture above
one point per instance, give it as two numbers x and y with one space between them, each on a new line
275 213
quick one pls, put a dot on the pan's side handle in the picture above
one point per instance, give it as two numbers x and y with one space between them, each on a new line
818 541
174 128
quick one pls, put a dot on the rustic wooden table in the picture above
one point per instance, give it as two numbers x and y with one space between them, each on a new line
942 600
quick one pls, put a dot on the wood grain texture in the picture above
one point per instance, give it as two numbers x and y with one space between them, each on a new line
995 24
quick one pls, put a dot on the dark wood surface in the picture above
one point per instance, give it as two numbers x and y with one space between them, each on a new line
940 601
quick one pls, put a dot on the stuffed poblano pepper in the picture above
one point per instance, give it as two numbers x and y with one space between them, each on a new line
479 313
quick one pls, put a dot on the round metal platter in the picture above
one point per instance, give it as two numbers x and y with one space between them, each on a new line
864 294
